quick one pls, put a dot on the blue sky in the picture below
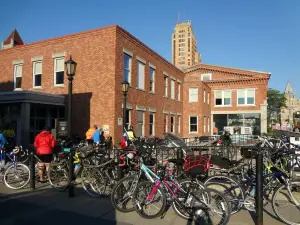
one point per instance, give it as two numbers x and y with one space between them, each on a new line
250 34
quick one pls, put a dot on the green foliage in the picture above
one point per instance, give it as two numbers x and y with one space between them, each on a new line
276 101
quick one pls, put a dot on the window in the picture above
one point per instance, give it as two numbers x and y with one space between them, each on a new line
151 123
208 125
193 94
127 68
140 123
141 75
166 122
222 98
204 96
179 124
152 79
204 125
18 76
128 119
166 86
246 97
193 128
206 76
172 89
37 74
173 124
179 91
59 71
208 98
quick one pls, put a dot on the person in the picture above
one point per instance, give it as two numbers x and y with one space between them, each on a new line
3 140
102 137
130 133
44 144
97 136
90 133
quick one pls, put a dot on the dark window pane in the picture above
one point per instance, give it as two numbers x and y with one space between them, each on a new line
250 100
193 120
60 77
126 75
241 101
227 101
38 80
18 82
193 128
151 130
151 118
218 101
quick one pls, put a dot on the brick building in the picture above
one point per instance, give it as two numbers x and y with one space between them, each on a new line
33 86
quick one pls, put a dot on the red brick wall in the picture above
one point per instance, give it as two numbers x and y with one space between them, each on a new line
144 98
94 52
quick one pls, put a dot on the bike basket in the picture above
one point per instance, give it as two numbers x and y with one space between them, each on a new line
196 164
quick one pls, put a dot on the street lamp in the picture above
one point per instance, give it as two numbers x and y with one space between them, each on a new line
70 67
125 87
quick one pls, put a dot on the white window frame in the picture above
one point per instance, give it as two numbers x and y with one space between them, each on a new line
208 125
179 92
153 81
245 98
192 132
15 76
58 85
172 89
172 126
190 98
153 124
206 74
166 81
143 124
204 96
166 116
204 124
223 105
128 69
179 124
208 98
34 73
142 74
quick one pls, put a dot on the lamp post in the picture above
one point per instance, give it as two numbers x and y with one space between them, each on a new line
70 67
125 87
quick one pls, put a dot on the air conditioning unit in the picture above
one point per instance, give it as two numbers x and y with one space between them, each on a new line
246 130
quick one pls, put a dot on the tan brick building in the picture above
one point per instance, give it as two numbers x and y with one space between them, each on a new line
33 87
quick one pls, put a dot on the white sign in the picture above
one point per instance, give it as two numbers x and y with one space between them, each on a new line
120 121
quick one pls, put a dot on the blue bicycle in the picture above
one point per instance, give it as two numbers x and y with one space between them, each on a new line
15 175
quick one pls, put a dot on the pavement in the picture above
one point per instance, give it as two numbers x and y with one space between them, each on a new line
47 206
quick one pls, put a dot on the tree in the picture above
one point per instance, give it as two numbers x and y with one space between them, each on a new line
276 101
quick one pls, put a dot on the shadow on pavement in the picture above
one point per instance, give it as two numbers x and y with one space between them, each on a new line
47 206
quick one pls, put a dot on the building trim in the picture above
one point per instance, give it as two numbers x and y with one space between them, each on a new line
178 114
127 52
179 81
165 112
141 108
36 58
173 78
18 61
152 109
152 66
235 112
166 74
141 59
59 54
128 106
172 113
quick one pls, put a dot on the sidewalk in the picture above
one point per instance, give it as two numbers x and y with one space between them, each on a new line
47 206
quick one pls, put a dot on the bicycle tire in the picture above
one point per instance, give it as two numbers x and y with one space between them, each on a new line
176 206
12 167
276 191
96 191
137 205
114 192
236 207
65 173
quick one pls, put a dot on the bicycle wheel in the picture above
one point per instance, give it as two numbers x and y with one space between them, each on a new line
210 206
230 188
121 195
145 208
289 199
58 176
93 182
185 185
17 176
